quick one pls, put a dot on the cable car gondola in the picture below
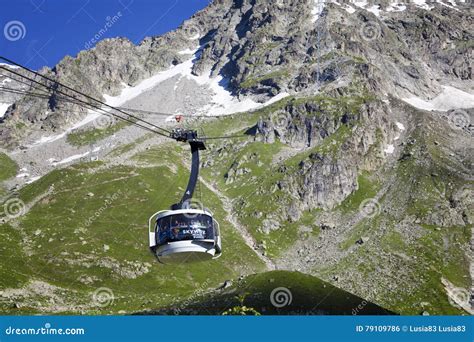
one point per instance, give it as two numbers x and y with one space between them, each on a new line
183 233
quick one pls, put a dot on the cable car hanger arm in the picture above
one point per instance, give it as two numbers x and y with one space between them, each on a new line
191 137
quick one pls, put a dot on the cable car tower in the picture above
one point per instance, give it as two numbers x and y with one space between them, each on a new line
185 233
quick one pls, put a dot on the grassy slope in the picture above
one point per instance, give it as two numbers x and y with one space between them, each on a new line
427 261
147 190
91 136
8 169
257 191
309 295
423 260
57 234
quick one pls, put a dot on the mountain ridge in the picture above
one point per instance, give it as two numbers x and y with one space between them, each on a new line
335 174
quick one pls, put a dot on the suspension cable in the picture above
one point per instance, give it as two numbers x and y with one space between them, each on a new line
73 99
73 90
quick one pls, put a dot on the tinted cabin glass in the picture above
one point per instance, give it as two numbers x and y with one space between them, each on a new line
180 228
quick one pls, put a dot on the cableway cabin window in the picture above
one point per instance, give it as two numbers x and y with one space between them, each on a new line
184 227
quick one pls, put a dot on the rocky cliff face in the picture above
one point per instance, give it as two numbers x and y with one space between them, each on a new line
105 69
264 49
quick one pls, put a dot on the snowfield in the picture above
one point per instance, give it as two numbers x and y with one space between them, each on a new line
9 66
450 98
93 115
223 103
400 126
389 149
3 108
71 158
5 81
351 6
317 9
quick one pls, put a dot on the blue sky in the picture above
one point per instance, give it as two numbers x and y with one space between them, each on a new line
42 32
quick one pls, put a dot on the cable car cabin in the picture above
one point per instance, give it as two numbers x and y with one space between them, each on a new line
184 235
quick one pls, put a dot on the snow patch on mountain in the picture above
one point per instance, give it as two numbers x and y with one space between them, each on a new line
375 9
400 126
350 9
187 52
223 103
71 158
422 4
450 98
317 9
129 93
351 6
396 8
6 80
91 116
126 94
3 108
9 66
32 179
389 149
